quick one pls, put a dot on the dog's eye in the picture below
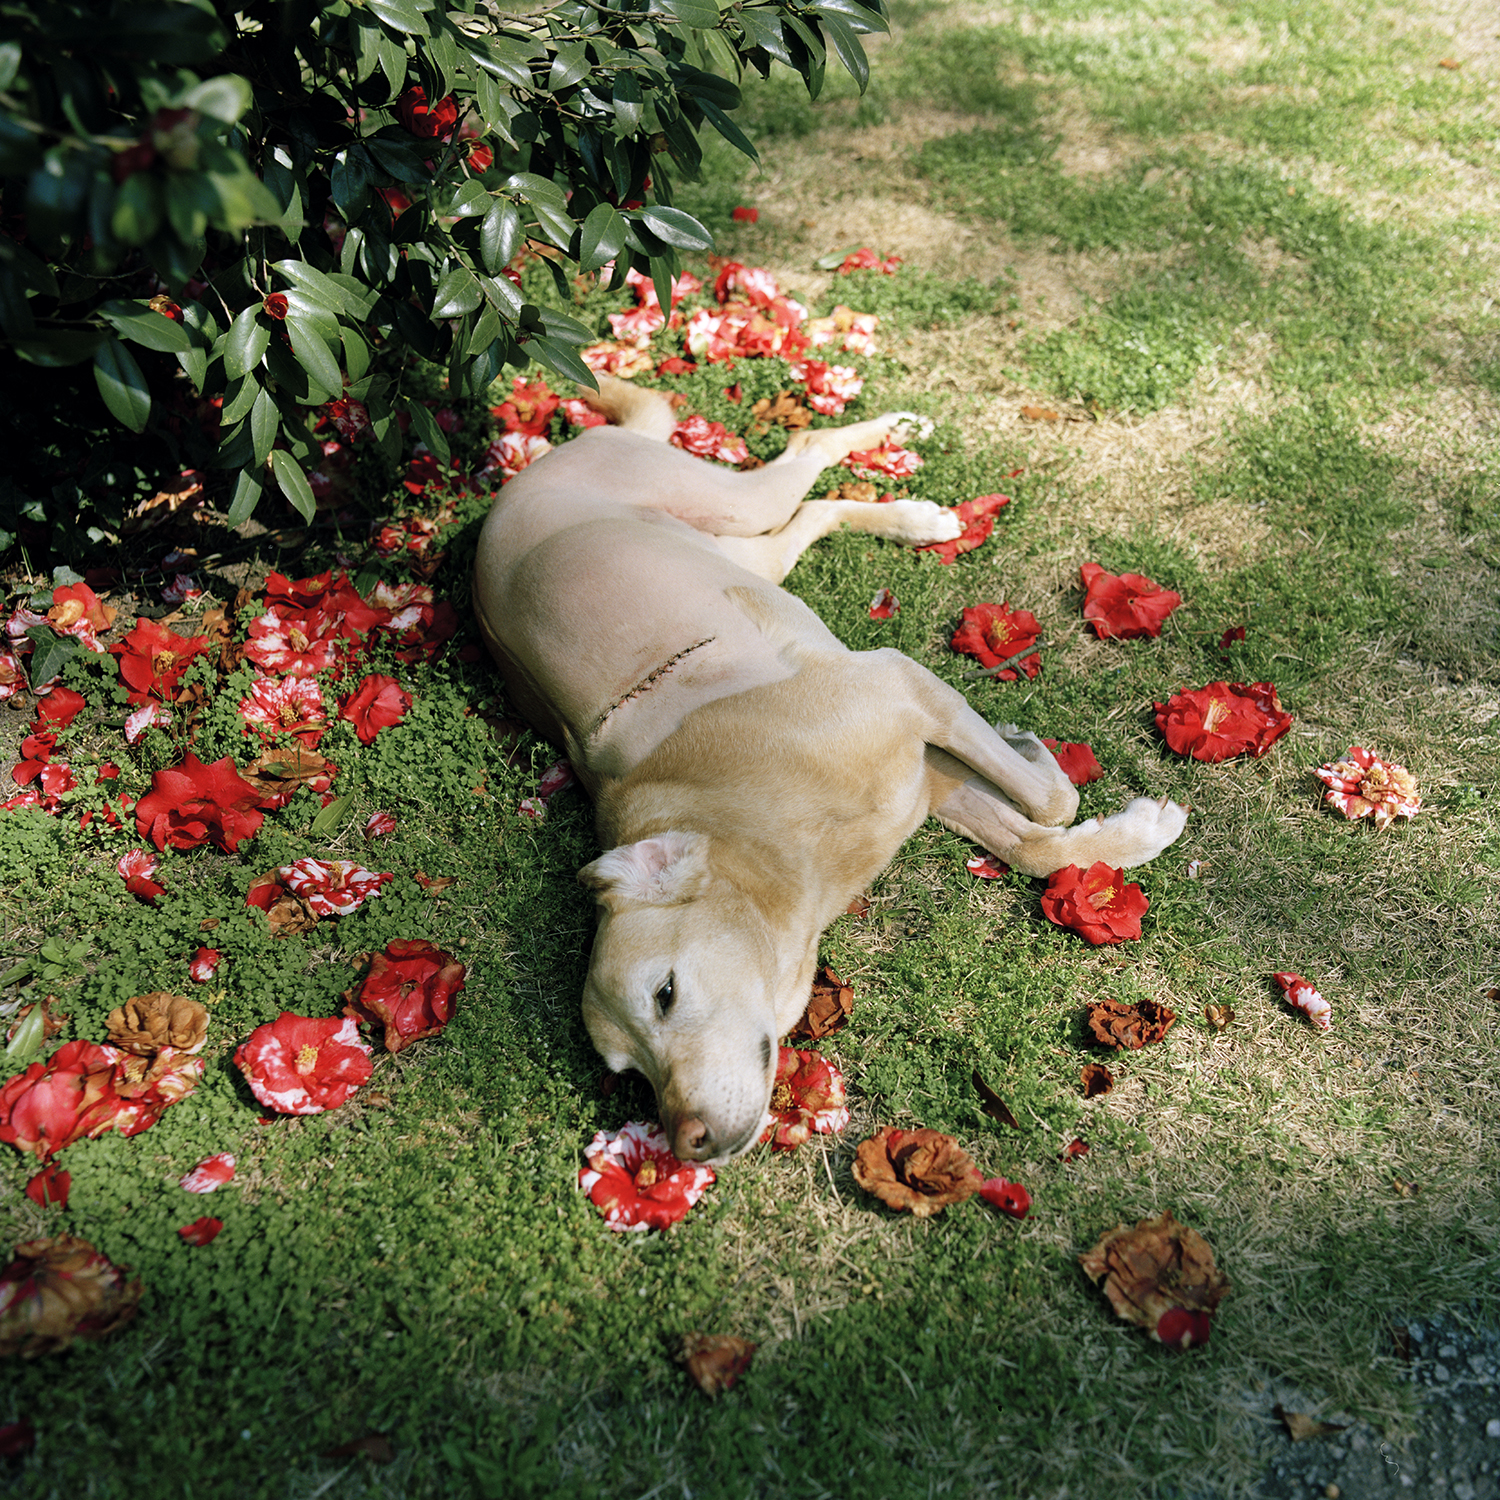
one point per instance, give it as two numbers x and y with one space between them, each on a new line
665 996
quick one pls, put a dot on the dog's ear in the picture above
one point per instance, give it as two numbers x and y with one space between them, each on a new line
663 871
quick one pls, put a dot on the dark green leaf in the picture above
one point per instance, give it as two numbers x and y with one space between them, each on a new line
562 360
349 182
699 13
264 424
246 345
145 326
503 295
399 159
427 428
675 228
292 483
728 129
567 330
399 15
554 222
486 331
602 237
627 101
138 209
10 62
314 357
763 29
225 97
457 293
701 85
121 384
470 200
861 18
392 61
60 346
500 235
847 45
50 653
569 65
366 46
322 289
239 398
247 492
28 269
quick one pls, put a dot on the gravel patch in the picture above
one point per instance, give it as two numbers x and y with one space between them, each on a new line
1455 1454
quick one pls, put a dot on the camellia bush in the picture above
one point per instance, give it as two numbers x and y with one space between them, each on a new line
272 207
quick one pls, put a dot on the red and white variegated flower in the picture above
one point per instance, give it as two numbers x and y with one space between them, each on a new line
302 1066
624 358
1300 992
808 1098
510 453
12 679
884 605
829 387
889 461
845 329
210 1174
205 964
580 414
332 887
295 642
1364 786
286 705
136 868
644 288
636 1182
986 867
705 439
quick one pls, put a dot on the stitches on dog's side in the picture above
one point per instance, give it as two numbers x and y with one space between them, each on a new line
646 683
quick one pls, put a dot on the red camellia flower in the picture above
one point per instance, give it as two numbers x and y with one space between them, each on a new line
808 1097
865 259
991 634
424 120
481 157
54 1103
286 705
636 1182
210 1174
1009 1197
351 417
49 1186
1077 761
377 703
1303 994
529 408
153 659
205 964
743 215
380 825
884 605
295 642
136 869
1126 605
409 990
1222 720
986 868
194 804
1095 903
978 518
275 306
1364 786
201 1231
302 1066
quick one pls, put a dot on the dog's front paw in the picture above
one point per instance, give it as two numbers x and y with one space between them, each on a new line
920 522
1143 828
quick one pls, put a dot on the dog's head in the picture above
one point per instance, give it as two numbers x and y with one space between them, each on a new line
682 986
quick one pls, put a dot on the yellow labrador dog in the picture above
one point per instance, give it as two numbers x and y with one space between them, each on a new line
750 774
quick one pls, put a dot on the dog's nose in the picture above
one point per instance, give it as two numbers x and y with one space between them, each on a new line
691 1140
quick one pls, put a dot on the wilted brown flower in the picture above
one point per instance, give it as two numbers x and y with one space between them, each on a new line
831 1005
1119 1025
278 775
1097 1079
715 1360
286 911
1218 1016
148 1023
58 1290
784 411
920 1171
1160 1275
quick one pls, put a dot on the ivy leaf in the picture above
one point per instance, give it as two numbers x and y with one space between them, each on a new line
50 653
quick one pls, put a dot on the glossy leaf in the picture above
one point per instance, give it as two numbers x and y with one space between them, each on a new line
122 385
457 293
500 235
602 237
427 428
293 483
246 345
247 493
676 228
313 355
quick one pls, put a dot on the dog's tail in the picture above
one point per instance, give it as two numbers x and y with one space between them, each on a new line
633 408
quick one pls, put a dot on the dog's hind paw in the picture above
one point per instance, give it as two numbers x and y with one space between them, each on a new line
1142 829
918 522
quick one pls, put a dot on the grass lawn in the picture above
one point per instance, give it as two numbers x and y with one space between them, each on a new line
1210 292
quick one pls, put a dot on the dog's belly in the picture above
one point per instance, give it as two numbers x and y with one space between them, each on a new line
621 625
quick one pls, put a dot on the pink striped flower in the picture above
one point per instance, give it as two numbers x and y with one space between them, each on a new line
205 964
332 887
286 705
636 1182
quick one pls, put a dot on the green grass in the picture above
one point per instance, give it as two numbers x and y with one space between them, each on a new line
421 1264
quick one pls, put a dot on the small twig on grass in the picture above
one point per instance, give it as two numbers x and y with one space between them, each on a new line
1010 661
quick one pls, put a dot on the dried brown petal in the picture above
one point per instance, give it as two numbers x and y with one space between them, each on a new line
784 411
830 1007
1156 1268
992 1104
434 885
279 773
58 1290
1097 1079
1218 1016
858 907
920 1171
1300 1426
715 1360
1116 1024
148 1023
